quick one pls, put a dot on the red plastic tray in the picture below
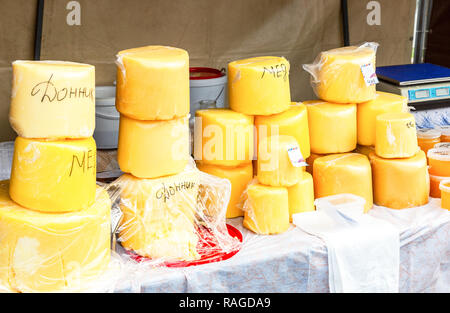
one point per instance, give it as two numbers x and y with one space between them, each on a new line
207 248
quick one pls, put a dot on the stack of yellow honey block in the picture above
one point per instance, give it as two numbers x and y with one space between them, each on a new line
54 220
159 190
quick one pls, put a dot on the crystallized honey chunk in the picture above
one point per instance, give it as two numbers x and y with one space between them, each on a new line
435 181
337 74
439 161
332 127
49 252
428 138
223 137
266 209
395 135
368 111
445 194
275 167
158 215
343 173
310 162
54 176
149 149
52 99
400 183
239 176
259 86
153 83
292 122
301 195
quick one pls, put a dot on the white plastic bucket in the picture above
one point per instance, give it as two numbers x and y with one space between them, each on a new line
106 133
209 86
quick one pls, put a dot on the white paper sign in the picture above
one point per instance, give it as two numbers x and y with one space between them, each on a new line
296 157
368 72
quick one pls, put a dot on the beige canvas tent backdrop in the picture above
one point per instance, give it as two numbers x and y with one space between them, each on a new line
214 32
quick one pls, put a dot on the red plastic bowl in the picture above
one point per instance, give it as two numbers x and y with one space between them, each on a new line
196 73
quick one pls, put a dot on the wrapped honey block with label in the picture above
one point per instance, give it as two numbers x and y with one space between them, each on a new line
345 75
158 215
52 99
223 137
50 252
259 86
292 122
239 176
439 161
368 111
279 163
153 83
400 183
266 209
445 194
149 149
395 135
54 176
344 173
332 127
301 195
427 138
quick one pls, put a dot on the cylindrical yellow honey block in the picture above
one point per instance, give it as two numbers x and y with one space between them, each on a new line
149 149
223 137
343 173
395 135
368 111
275 167
266 209
301 195
53 252
439 161
292 122
332 127
259 86
445 194
435 181
239 176
445 133
54 176
400 183
337 75
428 138
153 83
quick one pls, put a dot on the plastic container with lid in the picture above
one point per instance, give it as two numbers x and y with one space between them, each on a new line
435 181
445 194
442 145
439 161
427 138
445 133
343 202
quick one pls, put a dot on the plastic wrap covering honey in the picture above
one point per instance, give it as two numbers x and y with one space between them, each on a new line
332 127
259 86
54 176
439 161
165 219
400 183
445 194
223 137
239 177
50 252
52 99
149 149
301 195
428 138
153 83
275 168
343 173
292 122
435 181
395 135
368 111
266 209
337 74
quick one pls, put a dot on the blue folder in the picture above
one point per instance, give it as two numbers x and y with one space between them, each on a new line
413 74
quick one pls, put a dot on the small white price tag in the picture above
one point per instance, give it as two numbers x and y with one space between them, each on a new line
296 157
368 72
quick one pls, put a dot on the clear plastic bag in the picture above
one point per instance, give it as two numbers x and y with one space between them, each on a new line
177 218
345 75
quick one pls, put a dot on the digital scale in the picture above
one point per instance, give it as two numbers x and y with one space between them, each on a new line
425 85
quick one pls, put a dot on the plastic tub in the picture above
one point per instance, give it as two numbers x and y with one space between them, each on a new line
435 181
346 203
439 161
445 194
427 138
106 132
207 88
442 145
445 133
